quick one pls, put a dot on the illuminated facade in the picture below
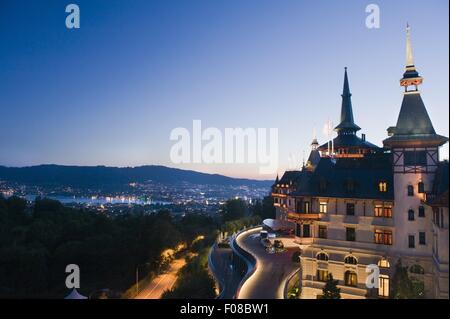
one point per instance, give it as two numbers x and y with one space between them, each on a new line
358 204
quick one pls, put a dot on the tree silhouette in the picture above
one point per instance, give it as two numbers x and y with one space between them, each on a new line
330 290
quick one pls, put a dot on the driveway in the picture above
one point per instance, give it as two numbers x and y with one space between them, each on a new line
272 270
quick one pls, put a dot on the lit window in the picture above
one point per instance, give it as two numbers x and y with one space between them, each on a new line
384 263
323 206
350 278
383 237
378 211
382 187
322 275
383 286
387 211
306 208
421 188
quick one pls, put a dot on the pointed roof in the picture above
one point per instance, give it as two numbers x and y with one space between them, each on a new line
313 159
413 118
414 126
314 155
347 122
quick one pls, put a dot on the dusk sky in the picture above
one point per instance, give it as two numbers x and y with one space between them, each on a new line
110 92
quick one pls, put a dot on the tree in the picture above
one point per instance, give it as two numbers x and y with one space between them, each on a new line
264 208
330 290
403 286
234 209
193 280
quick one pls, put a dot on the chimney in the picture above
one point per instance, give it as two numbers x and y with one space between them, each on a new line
363 136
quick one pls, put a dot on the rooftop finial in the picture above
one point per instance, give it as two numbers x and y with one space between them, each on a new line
411 76
409 52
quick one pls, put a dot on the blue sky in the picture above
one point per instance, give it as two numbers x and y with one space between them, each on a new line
110 92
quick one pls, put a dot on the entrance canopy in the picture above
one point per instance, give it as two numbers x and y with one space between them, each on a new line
277 225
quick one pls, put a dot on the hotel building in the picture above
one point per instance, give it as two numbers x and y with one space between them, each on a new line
354 204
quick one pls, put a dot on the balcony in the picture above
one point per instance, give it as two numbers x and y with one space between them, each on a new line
351 219
383 221
293 216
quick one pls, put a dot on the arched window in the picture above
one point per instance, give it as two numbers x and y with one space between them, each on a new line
410 190
322 256
384 263
417 269
421 188
411 214
350 278
350 260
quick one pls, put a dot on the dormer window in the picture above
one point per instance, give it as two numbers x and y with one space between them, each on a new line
323 185
382 187
350 185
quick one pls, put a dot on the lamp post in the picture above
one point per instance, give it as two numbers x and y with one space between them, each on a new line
137 276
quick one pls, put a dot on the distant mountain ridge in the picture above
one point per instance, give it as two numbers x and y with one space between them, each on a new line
103 175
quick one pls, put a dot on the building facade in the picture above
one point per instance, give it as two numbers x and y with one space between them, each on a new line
355 204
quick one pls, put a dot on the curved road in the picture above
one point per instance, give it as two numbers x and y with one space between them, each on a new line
163 282
272 270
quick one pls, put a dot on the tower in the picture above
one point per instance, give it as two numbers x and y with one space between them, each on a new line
314 156
347 144
347 125
414 145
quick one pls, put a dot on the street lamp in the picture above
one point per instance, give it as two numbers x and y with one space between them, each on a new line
137 276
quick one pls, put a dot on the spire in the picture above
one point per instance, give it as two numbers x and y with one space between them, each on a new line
414 127
411 76
314 143
347 124
409 52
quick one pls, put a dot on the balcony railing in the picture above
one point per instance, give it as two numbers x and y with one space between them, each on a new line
303 216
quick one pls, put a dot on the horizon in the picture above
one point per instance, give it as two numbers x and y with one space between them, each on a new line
148 165
109 93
